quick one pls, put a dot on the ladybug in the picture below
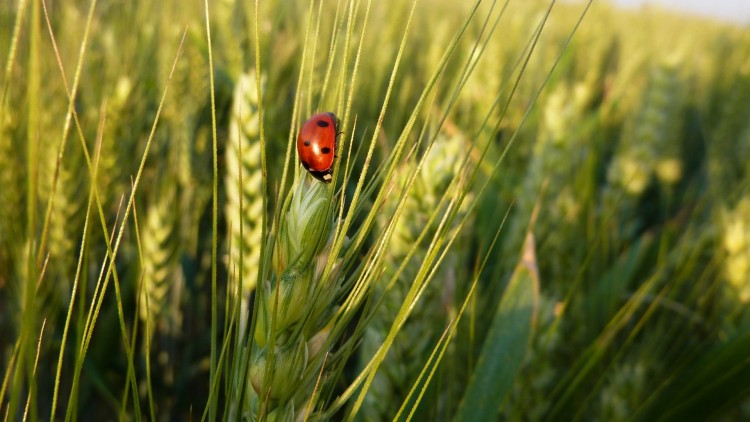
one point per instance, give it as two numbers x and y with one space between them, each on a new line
316 145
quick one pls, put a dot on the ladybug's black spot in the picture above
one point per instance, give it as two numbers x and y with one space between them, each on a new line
322 123
325 150
307 143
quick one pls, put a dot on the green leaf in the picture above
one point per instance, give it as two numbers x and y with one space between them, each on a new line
702 389
602 302
507 341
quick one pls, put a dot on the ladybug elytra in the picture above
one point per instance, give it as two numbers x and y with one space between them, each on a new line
316 145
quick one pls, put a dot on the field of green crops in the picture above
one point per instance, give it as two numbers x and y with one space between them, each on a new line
539 210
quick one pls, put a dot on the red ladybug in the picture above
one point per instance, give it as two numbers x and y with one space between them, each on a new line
316 145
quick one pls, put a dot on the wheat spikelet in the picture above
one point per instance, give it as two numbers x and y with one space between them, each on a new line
188 113
189 148
67 218
49 144
65 224
11 195
230 34
68 199
115 139
650 146
244 204
159 246
730 138
558 150
296 307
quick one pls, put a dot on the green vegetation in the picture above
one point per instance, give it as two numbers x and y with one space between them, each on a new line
539 211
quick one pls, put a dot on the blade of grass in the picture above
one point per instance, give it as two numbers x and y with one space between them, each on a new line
79 265
214 214
74 116
72 93
28 319
295 109
400 144
507 341
33 372
369 221
563 394
703 388
454 324
8 374
147 343
112 252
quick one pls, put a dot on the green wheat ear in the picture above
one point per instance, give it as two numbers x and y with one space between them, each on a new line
66 224
295 307
244 206
11 215
67 220
414 343
159 248
650 146
117 135
730 138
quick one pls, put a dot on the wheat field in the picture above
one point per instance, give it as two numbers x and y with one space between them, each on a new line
539 210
